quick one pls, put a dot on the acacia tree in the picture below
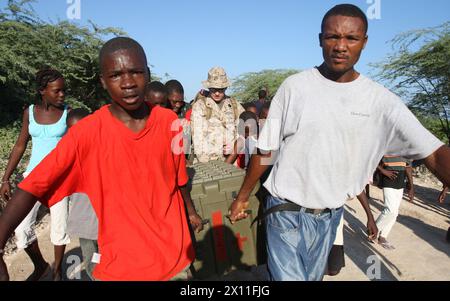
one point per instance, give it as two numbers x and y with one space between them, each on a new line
246 86
28 44
420 71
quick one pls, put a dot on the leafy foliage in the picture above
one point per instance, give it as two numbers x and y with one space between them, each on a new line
246 87
419 71
28 44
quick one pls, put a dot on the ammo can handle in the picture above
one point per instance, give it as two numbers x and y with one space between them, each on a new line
208 221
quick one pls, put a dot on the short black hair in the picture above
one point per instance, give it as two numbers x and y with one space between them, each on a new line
174 86
120 43
247 115
78 113
262 94
156 87
348 10
249 105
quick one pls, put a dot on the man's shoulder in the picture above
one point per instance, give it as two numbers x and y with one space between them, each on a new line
299 77
380 89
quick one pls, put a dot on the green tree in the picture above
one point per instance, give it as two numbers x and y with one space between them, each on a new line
28 44
419 71
246 87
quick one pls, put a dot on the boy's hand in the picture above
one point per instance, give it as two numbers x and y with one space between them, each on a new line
372 229
196 222
3 270
441 198
238 209
5 191
391 174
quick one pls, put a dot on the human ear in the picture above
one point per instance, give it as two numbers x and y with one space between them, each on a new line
102 81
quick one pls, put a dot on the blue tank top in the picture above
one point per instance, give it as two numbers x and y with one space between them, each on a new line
44 137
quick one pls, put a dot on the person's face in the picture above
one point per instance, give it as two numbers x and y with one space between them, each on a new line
124 76
156 98
217 94
176 101
342 41
54 93
264 114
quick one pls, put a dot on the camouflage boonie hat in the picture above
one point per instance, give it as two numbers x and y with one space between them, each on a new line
217 78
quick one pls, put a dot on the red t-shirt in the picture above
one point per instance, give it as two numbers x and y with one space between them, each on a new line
188 115
132 180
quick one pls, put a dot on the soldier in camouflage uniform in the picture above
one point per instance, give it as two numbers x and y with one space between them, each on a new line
214 119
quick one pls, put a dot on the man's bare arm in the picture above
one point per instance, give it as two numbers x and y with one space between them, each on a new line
259 163
439 164
17 209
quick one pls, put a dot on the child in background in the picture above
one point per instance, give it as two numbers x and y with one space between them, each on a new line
176 103
45 123
82 221
248 136
156 94
175 98
251 107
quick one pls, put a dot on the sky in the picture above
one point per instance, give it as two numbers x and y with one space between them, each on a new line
185 38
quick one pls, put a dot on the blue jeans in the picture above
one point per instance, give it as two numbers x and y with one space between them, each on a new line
298 243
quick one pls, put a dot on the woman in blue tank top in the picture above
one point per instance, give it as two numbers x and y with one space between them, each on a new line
45 123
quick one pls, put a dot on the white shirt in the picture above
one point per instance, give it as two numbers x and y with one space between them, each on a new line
331 136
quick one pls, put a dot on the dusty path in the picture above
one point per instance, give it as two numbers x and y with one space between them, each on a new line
419 236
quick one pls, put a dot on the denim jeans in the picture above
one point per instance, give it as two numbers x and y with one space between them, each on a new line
298 243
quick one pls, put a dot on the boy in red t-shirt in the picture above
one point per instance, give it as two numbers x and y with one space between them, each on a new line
123 157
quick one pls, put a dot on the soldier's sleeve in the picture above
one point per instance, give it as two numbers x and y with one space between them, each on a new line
198 126
230 126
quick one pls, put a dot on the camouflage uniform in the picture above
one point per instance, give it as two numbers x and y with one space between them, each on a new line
214 128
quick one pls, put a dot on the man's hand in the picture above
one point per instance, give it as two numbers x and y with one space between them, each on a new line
391 174
5 191
196 222
3 270
372 229
442 195
238 209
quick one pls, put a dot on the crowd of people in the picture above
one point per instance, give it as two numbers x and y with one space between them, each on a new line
117 178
